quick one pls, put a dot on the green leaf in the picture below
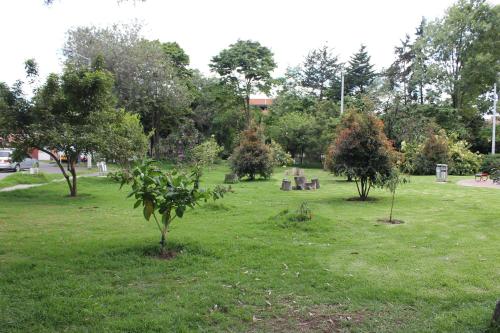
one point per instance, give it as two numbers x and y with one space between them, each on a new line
179 211
148 210
137 203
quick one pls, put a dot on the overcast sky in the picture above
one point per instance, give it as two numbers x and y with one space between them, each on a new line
29 29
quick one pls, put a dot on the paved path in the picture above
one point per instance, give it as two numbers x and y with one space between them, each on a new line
45 167
472 183
26 186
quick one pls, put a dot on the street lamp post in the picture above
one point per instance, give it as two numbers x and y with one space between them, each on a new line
493 137
89 63
342 92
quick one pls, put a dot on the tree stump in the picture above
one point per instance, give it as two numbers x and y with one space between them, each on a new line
495 320
300 182
310 186
231 178
286 185
315 181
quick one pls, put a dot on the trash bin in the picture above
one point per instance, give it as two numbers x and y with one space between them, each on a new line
442 172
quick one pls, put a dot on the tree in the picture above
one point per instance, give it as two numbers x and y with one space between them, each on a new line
246 66
400 70
68 114
392 182
151 78
320 73
216 110
167 194
361 150
179 58
360 73
128 143
453 40
296 132
206 153
252 157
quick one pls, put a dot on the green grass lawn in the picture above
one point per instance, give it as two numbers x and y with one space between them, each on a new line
25 178
85 265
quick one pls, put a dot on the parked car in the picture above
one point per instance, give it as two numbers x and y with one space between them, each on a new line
64 159
7 163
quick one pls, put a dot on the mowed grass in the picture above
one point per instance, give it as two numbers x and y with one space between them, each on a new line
85 264
25 178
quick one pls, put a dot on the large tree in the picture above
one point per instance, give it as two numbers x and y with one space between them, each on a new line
459 49
151 78
246 66
399 72
320 73
360 73
71 113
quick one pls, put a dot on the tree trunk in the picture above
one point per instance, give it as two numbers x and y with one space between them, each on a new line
392 206
73 188
247 109
164 231
61 167
363 188
421 87
163 241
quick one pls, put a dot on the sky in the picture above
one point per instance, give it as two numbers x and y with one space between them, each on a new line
30 29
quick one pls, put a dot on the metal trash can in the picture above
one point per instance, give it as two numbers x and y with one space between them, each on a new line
442 172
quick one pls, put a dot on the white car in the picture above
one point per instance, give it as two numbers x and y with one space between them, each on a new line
6 162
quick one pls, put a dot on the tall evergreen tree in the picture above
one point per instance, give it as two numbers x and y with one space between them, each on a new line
419 71
360 73
320 73
400 71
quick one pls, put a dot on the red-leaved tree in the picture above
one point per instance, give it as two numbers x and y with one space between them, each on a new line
361 150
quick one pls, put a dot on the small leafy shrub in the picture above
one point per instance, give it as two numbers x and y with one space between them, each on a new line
490 163
165 195
303 214
206 153
280 156
252 157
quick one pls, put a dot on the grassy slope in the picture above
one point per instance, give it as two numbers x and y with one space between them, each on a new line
80 264
26 178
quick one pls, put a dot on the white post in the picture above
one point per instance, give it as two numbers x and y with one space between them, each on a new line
342 93
493 136
89 161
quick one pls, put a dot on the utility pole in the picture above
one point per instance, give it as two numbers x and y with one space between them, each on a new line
342 92
493 137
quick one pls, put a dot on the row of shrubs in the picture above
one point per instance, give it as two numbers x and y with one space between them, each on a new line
421 158
251 158
254 157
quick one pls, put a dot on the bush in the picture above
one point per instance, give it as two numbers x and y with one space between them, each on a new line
433 151
490 162
177 145
126 140
421 159
252 157
280 156
206 153
361 150
462 160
